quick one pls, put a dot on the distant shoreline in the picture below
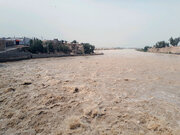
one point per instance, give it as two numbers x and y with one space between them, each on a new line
166 50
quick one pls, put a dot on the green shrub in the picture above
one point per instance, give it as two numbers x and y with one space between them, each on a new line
63 48
50 47
88 49
45 49
146 48
36 46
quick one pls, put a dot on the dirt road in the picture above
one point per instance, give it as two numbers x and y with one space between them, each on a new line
122 92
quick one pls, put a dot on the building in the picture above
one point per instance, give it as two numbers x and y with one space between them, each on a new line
76 48
22 41
17 41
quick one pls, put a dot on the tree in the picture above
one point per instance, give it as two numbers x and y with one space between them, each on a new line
88 49
50 47
45 49
31 42
146 48
36 46
161 44
74 42
63 48
174 42
62 41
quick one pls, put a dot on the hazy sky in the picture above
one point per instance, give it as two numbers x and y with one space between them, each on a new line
104 23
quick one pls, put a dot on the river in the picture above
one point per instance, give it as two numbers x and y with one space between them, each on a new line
121 92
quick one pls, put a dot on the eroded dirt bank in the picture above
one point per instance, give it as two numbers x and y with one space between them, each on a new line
122 92
172 50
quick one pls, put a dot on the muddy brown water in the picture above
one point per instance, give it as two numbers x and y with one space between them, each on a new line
121 92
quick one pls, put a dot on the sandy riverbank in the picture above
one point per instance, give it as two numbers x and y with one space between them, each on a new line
170 50
121 92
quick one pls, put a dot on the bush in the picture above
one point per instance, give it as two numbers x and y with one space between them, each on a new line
63 48
36 46
45 49
50 47
88 49
146 48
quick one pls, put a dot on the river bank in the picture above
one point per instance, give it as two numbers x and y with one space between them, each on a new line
16 55
168 50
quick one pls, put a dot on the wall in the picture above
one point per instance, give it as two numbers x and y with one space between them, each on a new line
14 55
2 45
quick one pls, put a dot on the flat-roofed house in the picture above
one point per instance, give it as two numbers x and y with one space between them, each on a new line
22 41
11 41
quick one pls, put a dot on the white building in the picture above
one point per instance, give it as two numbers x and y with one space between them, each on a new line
17 41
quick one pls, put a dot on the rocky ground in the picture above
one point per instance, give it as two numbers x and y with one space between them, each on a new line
122 92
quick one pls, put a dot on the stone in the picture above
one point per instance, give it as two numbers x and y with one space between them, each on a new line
76 90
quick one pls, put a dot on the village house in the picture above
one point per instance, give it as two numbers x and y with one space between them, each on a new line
76 48
17 41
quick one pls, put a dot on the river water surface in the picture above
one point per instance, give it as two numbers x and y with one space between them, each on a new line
121 92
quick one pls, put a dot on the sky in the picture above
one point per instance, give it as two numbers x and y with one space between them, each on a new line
103 23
